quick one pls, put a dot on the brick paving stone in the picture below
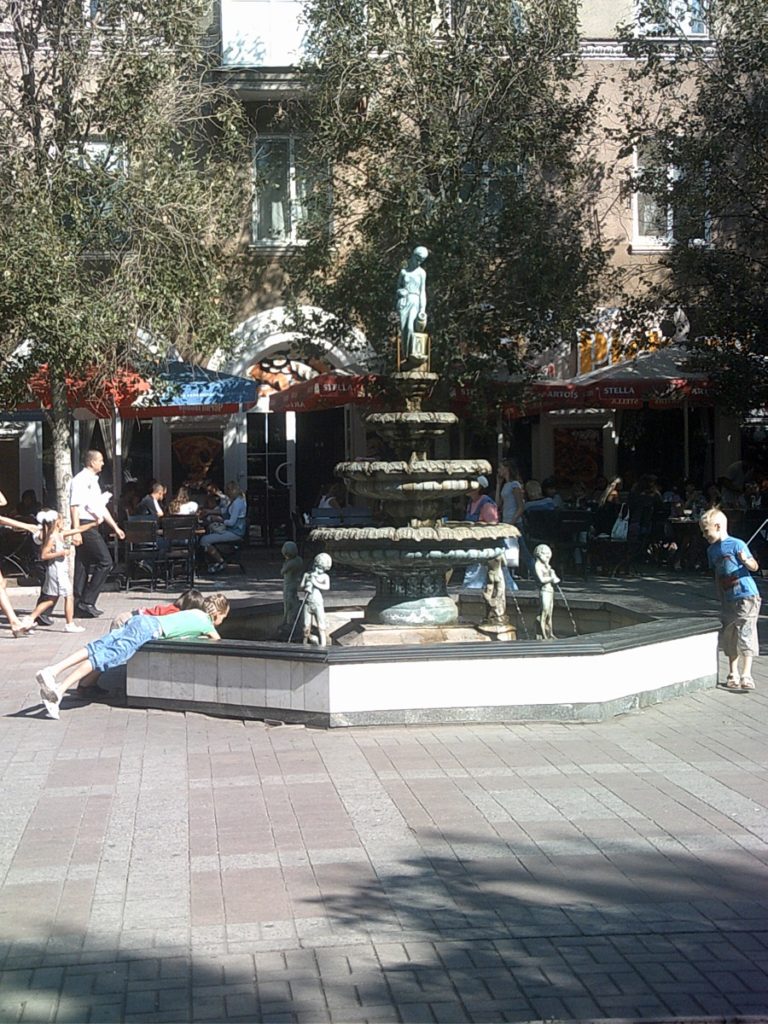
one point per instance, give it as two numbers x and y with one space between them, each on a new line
156 866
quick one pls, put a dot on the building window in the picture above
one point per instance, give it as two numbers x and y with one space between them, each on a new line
670 18
261 33
656 224
103 13
652 219
281 191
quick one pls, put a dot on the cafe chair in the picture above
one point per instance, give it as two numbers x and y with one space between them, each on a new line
178 559
141 553
574 528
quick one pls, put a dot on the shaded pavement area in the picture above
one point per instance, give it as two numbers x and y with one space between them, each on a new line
174 867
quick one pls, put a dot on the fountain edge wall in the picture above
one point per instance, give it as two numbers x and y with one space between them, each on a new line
587 679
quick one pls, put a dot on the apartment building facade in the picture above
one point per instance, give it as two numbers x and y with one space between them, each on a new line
282 459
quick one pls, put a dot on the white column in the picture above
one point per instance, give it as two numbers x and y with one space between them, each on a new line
161 451
31 459
290 446
236 449
117 461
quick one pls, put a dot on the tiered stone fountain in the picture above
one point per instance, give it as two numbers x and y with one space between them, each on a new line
413 549
402 664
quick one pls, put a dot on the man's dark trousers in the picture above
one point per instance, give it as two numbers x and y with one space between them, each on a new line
93 563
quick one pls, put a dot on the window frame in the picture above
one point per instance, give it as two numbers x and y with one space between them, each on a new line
231 58
687 20
660 243
292 239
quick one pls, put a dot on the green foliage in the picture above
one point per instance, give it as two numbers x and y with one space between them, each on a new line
705 106
466 130
122 188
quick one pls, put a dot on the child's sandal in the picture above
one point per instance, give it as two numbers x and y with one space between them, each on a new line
747 683
732 682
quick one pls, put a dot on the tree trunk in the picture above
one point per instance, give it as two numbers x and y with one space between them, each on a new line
62 444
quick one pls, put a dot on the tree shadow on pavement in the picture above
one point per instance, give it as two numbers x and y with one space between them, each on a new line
474 933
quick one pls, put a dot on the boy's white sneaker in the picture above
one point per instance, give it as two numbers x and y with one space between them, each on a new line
46 680
72 627
52 708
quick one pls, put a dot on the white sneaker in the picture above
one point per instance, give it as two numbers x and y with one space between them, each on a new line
28 623
72 627
52 708
46 680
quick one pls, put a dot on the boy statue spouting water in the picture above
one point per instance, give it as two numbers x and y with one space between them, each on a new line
547 578
292 571
313 584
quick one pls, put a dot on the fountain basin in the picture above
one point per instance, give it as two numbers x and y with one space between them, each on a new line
410 564
587 678
416 488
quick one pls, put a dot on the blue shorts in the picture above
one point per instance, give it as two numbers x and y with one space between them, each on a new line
118 646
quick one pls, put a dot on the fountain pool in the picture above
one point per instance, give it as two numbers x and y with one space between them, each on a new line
622 661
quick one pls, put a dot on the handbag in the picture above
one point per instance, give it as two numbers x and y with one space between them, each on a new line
620 529
218 528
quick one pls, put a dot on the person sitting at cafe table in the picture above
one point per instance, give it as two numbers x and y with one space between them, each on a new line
230 530
644 502
608 507
181 505
215 503
331 496
549 490
535 500
152 503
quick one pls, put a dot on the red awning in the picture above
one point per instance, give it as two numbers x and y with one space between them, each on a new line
327 391
659 379
99 396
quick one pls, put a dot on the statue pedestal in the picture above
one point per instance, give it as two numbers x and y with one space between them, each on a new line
418 357
498 631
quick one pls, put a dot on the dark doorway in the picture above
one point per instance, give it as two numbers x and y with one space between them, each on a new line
319 446
653 441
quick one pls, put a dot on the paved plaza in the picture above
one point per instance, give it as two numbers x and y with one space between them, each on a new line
157 866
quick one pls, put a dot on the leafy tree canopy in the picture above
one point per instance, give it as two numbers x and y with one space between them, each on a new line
701 104
464 128
118 215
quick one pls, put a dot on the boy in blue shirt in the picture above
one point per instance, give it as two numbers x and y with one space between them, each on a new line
732 562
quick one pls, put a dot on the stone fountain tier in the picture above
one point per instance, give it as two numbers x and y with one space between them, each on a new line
405 429
416 489
410 564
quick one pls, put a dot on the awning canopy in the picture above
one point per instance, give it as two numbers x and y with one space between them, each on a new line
177 389
91 391
327 391
659 379
181 389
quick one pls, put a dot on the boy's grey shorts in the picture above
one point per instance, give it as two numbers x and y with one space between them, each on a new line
739 632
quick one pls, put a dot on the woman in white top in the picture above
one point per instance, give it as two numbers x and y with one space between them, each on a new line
512 494
181 505
231 530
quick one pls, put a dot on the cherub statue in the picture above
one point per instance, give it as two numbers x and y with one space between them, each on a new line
494 593
313 583
291 571
411 307
547 578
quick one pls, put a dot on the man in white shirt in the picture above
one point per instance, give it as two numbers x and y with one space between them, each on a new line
93 561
